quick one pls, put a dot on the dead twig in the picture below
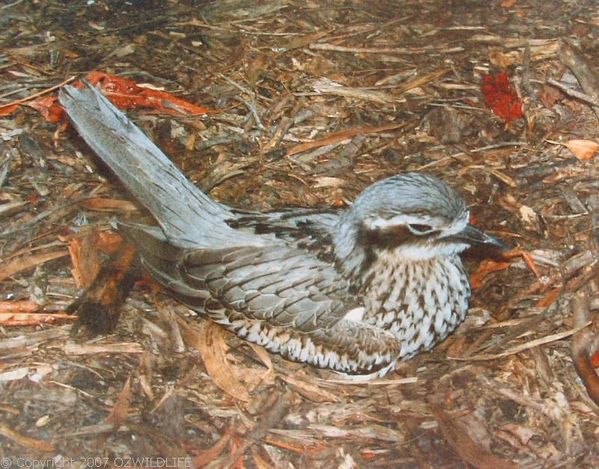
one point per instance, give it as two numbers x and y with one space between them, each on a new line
27 262
585 73
528 345
584 344
275 409
573 93
464 445
387 50
38 94
340 136
25 441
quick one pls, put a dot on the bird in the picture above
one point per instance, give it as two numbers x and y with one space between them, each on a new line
355 290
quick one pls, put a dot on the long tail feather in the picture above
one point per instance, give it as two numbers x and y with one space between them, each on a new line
188 217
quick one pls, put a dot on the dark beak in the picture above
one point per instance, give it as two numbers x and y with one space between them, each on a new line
478 239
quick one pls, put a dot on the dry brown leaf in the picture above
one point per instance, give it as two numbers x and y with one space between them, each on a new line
33 319
549 298
584 150
269 375
340 136
118 414
549 96
85 259
302 41
256 68
263 355
299 444
19 307
504 59
522 433
25 441
97 349
109 205
204 457
209 340
327 86
108 242
27 262
309 390
259 461
85 254
582 344
485 268
318 66
469 450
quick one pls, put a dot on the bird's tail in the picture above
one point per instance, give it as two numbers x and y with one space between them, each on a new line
187 216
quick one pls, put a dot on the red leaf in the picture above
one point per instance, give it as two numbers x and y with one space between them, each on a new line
124 93
8 109
48 107
501 97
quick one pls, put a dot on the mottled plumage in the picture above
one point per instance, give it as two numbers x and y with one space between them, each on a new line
353 290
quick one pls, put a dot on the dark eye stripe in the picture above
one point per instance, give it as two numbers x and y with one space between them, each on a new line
391 237
424 229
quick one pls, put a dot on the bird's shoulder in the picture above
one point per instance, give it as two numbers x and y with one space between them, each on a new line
307 229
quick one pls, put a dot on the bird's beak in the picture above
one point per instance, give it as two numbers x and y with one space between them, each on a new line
477 238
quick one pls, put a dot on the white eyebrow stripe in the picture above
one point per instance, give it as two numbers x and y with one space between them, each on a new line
398 220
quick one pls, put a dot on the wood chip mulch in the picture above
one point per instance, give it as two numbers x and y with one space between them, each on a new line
314 100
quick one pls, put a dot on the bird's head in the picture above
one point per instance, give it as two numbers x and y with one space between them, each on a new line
417 216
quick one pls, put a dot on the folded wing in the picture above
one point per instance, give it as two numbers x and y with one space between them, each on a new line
268 291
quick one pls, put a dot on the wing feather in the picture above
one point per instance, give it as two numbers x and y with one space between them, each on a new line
280 285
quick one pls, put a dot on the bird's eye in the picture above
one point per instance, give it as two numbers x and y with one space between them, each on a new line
419 229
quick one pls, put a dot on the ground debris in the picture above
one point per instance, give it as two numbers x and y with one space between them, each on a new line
313 101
